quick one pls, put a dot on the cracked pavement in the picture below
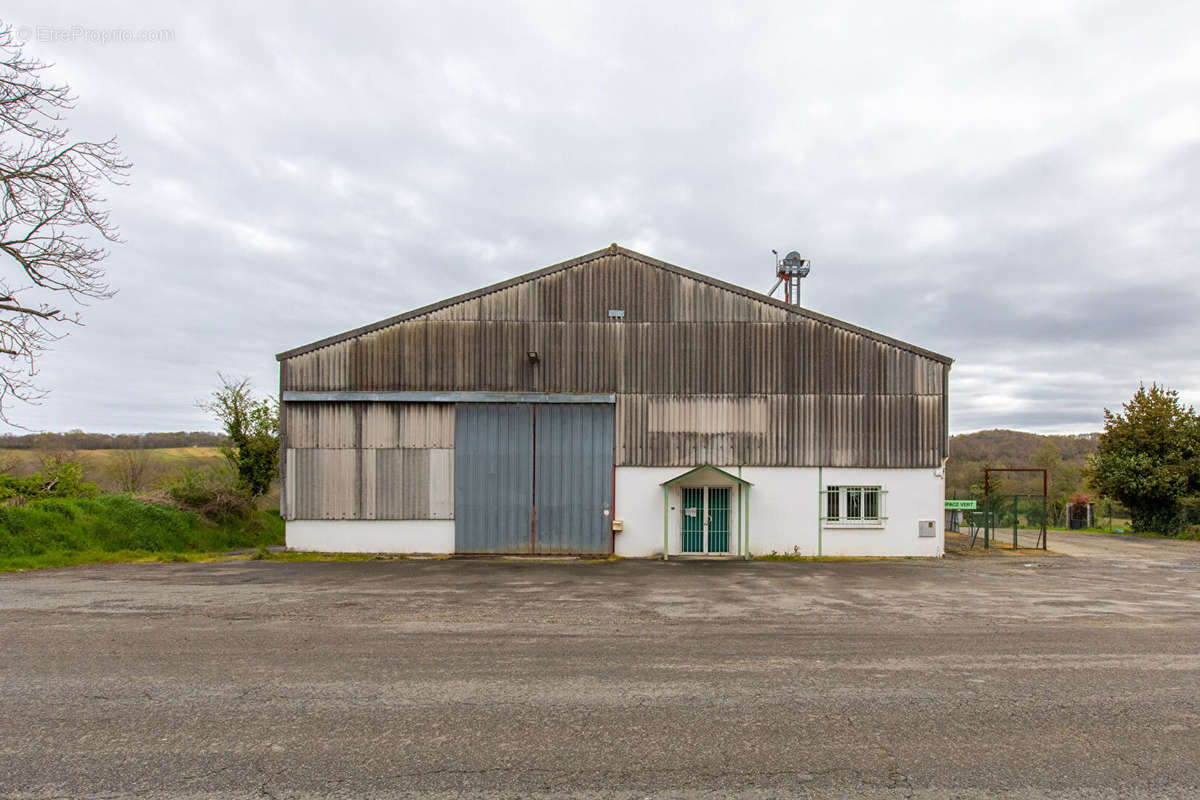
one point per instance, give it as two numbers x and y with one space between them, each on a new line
1008 675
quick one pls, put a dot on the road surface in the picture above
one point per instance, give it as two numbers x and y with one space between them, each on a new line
1011 675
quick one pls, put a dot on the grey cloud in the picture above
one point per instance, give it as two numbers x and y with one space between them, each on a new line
1011 187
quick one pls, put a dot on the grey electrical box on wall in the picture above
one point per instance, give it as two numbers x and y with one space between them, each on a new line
926 528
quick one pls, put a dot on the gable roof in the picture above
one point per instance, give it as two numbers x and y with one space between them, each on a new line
706 468
613 249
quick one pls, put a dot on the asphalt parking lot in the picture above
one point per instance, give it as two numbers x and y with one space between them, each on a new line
1010 675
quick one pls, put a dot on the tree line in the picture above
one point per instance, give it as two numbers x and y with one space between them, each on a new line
79 440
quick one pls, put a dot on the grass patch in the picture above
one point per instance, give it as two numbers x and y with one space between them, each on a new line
68 531
1192 533
75 558
1108 532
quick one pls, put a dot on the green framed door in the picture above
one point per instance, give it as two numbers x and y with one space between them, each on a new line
693 519
706 519
718 519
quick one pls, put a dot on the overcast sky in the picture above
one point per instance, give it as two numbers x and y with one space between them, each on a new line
1014 188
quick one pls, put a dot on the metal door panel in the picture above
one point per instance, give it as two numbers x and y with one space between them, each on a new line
718 519
692 509
493 477
573 478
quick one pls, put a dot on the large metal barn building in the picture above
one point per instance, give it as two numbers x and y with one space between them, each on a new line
614 403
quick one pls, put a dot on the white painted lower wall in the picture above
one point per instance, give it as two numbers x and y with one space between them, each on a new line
783 512
371 535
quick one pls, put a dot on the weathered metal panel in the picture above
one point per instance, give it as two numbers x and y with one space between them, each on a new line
368 425
574 479
325 425
604 357
780 430
419 425
367 481
347 483
442 398
441 484
323 483
835 394
493 478
402 484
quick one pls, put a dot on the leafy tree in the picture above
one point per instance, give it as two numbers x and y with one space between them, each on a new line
1062 479
1148 458
52 219
252 425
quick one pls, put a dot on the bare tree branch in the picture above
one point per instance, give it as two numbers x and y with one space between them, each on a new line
52 218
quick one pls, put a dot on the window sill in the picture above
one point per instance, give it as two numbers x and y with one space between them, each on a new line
855 524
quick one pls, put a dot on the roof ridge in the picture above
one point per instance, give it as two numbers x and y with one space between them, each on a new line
612 249
816 316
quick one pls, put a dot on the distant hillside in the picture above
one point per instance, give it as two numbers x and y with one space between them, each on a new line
1063 456
1019 446
79 440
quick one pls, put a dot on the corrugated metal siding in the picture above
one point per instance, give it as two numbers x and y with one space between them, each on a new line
799 357
701 373
779 430
402 484
369 425
323 484
368 460
585 294
441 484
573 487
493 478
352 483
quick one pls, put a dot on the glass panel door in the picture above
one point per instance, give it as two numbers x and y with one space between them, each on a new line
693 520
718 519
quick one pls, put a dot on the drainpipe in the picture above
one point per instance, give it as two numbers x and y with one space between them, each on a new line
820 499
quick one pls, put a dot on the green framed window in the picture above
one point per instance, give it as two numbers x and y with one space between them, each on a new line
854 506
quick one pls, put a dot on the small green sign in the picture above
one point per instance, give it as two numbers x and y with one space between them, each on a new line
960 505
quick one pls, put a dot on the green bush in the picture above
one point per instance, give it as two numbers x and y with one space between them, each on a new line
1149 458
215 492
57 479
1186 524
119 522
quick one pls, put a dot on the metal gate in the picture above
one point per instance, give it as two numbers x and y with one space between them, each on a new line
693 519
718 519
533 478
705 519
